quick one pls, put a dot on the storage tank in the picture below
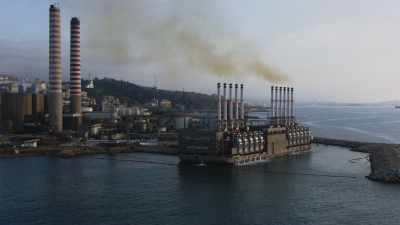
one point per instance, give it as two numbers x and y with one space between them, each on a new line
256 142
251 142
240 144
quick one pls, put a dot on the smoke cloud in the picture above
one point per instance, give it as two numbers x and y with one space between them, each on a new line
180 38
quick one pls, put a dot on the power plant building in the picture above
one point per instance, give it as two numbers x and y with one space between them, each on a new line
55 101
16 108
237 142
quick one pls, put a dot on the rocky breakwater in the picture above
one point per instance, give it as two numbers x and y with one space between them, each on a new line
384 158
385 163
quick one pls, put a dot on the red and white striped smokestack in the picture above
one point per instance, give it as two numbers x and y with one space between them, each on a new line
219 113
75 67
55 82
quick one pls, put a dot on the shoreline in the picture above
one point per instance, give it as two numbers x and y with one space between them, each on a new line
76 151
356 146
384 158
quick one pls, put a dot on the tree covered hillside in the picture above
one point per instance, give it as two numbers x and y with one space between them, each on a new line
135 94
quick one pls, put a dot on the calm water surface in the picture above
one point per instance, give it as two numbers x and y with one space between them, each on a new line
363 123
325 187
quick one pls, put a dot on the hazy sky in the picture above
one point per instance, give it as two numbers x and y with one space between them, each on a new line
341 50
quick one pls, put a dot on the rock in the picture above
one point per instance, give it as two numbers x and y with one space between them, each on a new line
385 163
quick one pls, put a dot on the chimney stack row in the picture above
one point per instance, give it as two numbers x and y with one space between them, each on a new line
230 115
282 110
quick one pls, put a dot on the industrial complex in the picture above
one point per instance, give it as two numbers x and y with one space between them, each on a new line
62 115
236 142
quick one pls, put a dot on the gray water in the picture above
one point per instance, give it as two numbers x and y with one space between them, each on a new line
324 187
363 123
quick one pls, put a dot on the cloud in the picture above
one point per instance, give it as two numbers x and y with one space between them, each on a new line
348 60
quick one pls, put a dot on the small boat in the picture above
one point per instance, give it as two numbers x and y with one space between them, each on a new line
151 142
397 106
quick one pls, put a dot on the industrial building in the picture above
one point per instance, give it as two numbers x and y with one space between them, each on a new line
19 108
236 142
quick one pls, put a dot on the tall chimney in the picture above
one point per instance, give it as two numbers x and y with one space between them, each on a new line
236 106
219 113
288 105
292 106
284 105
75 69
225 108
55 84
241 104
276 106
272 105
231 119
280 106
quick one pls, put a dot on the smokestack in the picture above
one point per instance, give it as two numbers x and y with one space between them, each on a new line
236 106
288 106
272 105
284 105
241 104
75 69
55 83
276 106
225 107
292 106
280 106
231 119
219 113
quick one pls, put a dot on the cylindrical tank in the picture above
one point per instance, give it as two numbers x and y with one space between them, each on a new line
256 142
295 138
290 138
246 144
251 142
240 144
261 142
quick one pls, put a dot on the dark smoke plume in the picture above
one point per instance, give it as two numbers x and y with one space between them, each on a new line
181 37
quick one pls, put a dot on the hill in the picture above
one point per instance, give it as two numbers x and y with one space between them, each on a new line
136 94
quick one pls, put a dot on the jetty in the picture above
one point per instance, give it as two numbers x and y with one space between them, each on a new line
384 158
